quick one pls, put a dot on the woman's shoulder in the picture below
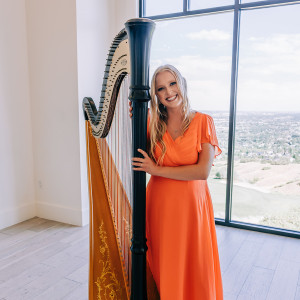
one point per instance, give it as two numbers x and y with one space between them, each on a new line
201 116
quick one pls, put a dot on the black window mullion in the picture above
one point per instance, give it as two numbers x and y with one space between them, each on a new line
142 11
232 112
186 5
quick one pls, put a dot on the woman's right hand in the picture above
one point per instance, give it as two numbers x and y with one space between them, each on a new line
130 109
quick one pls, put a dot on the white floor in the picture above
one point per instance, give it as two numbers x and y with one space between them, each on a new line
41 259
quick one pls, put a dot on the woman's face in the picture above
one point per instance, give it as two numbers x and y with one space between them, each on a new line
167 90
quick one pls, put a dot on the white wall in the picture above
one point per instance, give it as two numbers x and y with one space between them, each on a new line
97 24
17 195
52 54
123 11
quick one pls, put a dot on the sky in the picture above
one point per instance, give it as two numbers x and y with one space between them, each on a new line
269 57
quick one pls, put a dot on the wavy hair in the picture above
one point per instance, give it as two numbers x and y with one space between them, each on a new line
159 114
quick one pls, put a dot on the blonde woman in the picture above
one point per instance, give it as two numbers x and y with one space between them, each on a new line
180 229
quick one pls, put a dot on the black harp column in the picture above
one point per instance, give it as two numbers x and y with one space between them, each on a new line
139 33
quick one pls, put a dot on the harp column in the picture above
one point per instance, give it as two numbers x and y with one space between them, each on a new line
139 33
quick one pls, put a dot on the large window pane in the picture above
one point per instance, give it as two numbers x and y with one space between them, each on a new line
201 49
201 4
248 1
267 147
162 7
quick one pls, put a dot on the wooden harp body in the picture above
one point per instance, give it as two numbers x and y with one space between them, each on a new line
118 195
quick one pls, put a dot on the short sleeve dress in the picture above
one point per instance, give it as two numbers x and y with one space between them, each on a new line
181 236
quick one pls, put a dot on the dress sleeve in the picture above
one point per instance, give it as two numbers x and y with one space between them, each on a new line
207 134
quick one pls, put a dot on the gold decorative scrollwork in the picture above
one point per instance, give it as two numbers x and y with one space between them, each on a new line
109 287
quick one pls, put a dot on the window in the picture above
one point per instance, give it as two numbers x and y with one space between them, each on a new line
267 141
160 7
200 4
204 58
246 59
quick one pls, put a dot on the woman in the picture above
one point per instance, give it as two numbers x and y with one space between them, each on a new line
181 236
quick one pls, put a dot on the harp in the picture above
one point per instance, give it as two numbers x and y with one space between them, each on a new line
117 195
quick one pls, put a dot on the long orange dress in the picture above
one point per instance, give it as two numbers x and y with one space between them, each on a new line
181 236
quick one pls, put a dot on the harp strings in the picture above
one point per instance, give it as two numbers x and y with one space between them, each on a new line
119 138
116 156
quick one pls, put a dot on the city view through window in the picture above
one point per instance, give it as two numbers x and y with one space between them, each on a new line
266 176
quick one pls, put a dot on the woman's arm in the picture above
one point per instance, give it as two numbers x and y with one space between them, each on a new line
199 171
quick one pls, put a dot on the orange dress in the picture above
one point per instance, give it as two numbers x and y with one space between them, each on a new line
181 236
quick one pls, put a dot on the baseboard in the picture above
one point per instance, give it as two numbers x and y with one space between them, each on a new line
62 214
85 216
47 211
17 214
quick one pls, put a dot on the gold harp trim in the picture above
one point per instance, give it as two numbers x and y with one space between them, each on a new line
103 141
102 226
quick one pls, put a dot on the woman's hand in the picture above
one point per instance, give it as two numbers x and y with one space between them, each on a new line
145 164
130 109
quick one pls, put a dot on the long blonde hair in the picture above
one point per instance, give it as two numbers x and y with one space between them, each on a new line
159 114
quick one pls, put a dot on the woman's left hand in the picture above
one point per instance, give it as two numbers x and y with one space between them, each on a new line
145 164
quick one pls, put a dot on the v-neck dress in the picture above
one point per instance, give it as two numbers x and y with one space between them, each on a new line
180 229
